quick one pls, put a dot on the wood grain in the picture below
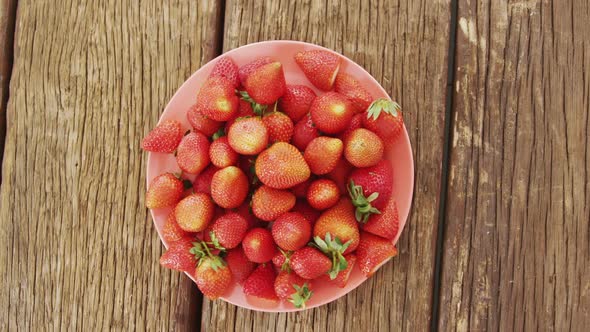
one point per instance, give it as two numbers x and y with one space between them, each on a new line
403 44
77 248
517 246
7 16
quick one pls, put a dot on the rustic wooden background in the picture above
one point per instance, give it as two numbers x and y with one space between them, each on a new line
496 96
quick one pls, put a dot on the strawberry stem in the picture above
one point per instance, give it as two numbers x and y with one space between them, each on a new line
383 105
364 209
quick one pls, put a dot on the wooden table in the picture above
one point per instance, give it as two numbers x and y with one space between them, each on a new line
496 97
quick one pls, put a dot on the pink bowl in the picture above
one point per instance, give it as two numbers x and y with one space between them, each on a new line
399 153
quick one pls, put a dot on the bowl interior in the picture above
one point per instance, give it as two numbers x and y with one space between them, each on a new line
399 154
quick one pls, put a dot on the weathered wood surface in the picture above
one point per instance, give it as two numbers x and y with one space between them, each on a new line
517 246
404 46
7 16
77 248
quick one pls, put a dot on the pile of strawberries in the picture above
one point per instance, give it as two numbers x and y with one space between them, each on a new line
290 186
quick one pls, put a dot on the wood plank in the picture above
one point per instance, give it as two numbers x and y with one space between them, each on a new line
7 16
78 250
517 246
403 44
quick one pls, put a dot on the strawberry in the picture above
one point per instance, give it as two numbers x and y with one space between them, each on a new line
258 245
248 136
300 190
266 83
269 203
342 278
244 110
303 207
331 112
281 166
384 118
340 223
304 132
279 126
178 257
221 154
291 231
227 68
164 138
193 153
239 264
372 252
249 68
385 224
340 174
171 232
363 148
229 230
355 123
245 211
352 89
217 99
281 260
202 183
309 263
164 191
193 213
229 187
370 188
293 288
260 283
323 194
202 123
322 154
213 277
296 101
319 66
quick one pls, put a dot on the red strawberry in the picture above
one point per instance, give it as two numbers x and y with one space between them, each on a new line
221 154
331 112
343 276
193 213
227 68
279 126
244 110
384 118
300 190
164 138
355 123
202 123
248 136
178 257
202 183
296 101
323 194
340 174
213 277
217 99
370 189
239 264
307 211
304 132
281 166
269 203
229 230
171 232
363 148
372 252
353 90
320 67
310 263
258 245
249 68
193 153
291 231
281 260
293 288
266 83
260 283
385 224
322 154
165 190
246 212
229 187
340 223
